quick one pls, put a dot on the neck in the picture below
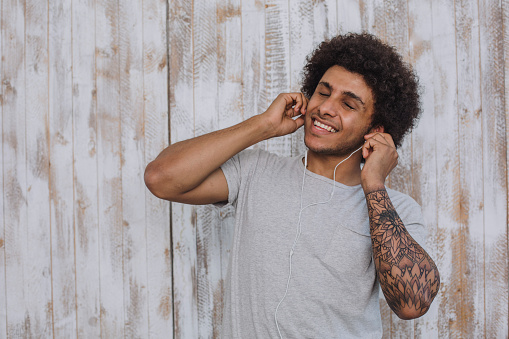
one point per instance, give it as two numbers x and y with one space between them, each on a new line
347 173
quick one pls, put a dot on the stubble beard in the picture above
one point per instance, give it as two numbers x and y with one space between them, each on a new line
340 150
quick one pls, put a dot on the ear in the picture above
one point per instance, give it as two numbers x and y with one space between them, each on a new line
377 129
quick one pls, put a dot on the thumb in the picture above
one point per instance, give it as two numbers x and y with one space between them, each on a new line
299 122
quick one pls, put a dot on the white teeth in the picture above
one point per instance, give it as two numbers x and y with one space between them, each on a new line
328 128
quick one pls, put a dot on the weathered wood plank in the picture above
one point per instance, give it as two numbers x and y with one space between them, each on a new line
253 59
423 141
109 169
230 110
349 16
396 25
3 290
38 251
157 216
277 65
86 216
14 167
471 200
448 180
494 168
61 169
205 61
181 128
134 246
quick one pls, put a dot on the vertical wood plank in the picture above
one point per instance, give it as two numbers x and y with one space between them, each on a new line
253 58
471 201
448 186
230 110
181 128
494 168
3 290
109 169
396 25
134 252
349 16
423 142
277 64
86 191
205 61
14 153
38 258
61 169
157 217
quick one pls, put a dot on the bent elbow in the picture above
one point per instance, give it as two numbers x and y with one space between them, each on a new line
154 181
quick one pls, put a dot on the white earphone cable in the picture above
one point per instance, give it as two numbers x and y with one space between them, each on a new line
299 228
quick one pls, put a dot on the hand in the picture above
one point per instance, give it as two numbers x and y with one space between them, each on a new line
381 158
281 112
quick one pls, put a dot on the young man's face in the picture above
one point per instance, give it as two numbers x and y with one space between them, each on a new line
339 113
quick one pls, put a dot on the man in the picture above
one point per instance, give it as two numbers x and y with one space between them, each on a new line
315 235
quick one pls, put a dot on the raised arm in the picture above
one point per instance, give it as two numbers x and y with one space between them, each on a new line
189 171
408 276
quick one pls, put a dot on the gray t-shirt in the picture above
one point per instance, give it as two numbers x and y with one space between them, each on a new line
333 291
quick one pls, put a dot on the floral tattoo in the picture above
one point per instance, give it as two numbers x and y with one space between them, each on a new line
408 276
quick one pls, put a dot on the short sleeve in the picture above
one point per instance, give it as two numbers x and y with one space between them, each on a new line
242 165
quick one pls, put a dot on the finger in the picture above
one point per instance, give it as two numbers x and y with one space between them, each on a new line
299 121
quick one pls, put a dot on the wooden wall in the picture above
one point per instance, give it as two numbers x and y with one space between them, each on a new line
92 90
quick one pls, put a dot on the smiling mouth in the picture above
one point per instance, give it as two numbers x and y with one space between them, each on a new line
323 126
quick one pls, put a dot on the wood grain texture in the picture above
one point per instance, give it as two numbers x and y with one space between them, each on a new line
38 237
277 66
86 217
471 202
424 189
156 128
14 154
3 289
494 168
183 218
133 164
400 179
61 170
109 169
448 186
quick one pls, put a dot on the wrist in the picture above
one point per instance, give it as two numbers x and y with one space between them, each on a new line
261 128
372 186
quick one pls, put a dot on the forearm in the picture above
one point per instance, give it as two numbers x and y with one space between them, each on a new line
408 276
184 165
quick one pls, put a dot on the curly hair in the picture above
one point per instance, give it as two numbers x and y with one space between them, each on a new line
394 85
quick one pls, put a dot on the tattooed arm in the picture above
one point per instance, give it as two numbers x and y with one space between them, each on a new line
408 276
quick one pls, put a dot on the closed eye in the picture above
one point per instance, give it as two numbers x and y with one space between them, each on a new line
349 106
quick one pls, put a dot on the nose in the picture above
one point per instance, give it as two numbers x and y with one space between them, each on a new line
329 107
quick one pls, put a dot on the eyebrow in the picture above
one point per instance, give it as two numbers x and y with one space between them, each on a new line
347 93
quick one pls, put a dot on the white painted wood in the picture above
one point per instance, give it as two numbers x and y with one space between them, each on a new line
14 166
400 179
61 169
349 16
3 289
424 189
183 217
37 265
447 167
109 169
494 168
277 66
471 200
206 77
156 128
254 98
133 164
85 169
